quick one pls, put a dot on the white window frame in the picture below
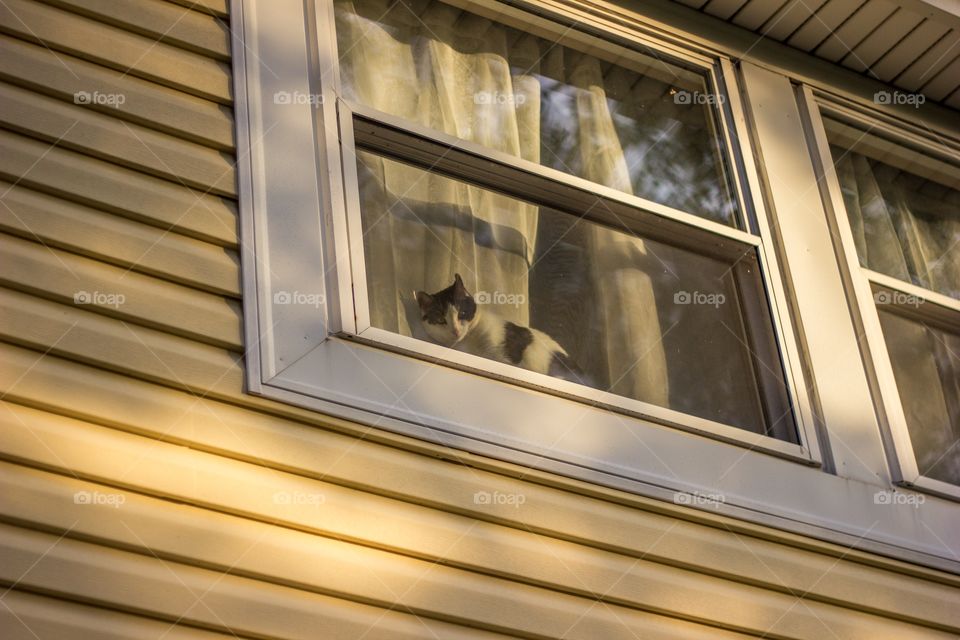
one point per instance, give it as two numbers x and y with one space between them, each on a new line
293 192
864 283
349 286
355 322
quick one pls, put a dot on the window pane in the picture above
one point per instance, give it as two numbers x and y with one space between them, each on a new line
926 365
904 209
640 318
643 126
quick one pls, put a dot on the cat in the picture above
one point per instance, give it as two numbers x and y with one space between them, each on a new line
452 318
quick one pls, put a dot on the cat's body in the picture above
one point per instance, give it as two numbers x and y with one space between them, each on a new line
452 318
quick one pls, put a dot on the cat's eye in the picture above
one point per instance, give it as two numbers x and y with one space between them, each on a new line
462 315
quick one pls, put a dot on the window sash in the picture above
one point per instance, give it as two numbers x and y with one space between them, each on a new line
863 284
631 51
563 192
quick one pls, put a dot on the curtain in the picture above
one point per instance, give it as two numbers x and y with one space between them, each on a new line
926 366
903 226
433 227
456 72
909 228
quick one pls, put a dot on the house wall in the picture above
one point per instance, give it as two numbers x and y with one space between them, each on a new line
145 495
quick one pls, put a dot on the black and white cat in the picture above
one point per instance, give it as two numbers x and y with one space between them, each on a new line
452 318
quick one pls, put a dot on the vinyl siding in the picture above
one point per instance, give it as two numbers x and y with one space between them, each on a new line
221 514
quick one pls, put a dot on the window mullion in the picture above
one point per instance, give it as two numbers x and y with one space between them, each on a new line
838 376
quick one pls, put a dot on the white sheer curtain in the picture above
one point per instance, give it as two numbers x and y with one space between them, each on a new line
636 364
926 364
433 227
456 72
909 233
909 228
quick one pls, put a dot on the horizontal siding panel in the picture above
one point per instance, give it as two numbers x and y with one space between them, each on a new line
79 332
48 500
213 7
106 186
426 590
117 240
129 53
74 126
178 593
146 103
159 20
286 556
273 441
29 266
27 616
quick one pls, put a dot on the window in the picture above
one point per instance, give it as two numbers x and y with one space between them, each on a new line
585 201
901 198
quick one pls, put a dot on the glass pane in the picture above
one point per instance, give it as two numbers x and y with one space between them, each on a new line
904 209
643 126
926 365
564 296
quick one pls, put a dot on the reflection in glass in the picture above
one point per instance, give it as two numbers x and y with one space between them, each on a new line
643 126
640 318
905 216
926 366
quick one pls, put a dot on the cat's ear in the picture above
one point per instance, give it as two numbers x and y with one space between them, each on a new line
458 285
424 299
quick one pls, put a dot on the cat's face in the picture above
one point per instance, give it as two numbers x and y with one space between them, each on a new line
448 315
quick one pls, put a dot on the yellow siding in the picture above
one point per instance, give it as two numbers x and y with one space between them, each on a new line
230 515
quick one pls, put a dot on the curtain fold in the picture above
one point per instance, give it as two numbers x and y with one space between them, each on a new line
635 362
903 226
432 227
926 366
909 228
